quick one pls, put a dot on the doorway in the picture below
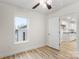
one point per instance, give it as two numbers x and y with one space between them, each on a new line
68 37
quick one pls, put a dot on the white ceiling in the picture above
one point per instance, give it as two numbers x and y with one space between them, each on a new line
28 4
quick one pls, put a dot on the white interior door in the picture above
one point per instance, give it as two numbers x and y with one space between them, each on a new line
53 32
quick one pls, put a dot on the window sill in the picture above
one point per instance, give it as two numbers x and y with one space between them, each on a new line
20 42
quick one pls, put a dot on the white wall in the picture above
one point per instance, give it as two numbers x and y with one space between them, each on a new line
72 9
36 33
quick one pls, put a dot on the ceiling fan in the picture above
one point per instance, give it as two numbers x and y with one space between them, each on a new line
46 2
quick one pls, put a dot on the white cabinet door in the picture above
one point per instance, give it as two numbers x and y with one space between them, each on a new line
53 32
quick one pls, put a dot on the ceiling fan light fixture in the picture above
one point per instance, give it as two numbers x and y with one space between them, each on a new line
42 3
49 2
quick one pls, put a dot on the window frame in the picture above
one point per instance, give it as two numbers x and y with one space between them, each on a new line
26 39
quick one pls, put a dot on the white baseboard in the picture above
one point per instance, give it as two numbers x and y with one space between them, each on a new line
33 46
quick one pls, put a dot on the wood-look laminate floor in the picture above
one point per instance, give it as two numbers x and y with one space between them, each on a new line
69 47
42 53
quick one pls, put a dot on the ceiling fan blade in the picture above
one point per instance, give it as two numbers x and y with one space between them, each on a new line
48 6
36 5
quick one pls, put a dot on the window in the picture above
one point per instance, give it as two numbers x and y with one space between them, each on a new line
20 29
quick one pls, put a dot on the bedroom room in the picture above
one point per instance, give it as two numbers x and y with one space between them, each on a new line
36 29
